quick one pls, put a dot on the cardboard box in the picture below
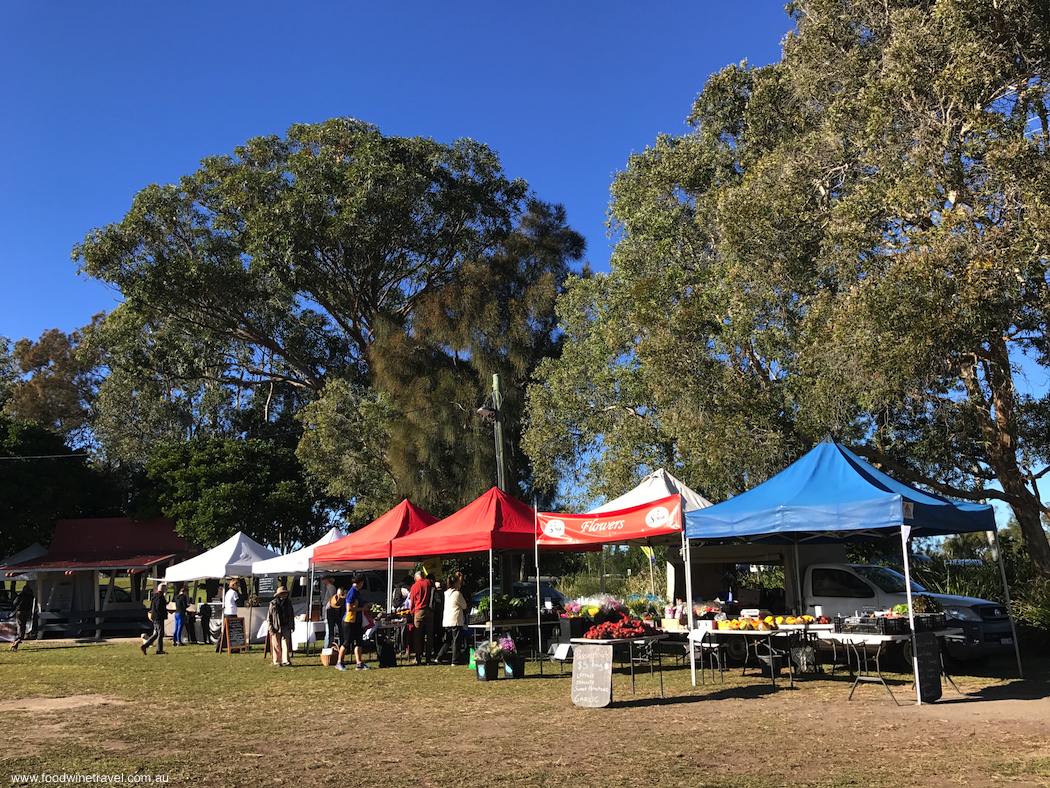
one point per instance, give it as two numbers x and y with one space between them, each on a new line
671 623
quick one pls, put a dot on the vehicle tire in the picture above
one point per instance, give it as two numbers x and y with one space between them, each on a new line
736 650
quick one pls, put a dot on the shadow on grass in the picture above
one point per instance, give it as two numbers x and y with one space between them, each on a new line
729 693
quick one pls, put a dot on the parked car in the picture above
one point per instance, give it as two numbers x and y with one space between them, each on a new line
526 589
845 589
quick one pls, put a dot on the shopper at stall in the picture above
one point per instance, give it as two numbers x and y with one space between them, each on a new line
23 604
352 624
328 590
182 606
280 618
420 598
229 608
204 614
453 619
334 617
158 614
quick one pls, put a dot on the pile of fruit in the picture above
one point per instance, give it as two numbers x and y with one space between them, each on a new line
763 624
624 628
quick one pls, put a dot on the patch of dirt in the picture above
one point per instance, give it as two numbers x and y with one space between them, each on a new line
59 704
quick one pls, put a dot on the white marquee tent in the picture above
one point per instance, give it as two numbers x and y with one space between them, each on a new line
233 558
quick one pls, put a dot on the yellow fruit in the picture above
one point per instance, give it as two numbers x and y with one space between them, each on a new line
778 620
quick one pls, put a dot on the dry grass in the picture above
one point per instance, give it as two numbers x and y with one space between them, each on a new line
203 719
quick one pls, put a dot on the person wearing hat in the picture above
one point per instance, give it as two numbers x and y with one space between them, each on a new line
280 618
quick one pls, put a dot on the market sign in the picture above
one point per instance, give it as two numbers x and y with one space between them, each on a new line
656 518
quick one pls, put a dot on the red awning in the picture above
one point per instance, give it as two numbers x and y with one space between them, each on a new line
638 523
495 521
373 541
107 544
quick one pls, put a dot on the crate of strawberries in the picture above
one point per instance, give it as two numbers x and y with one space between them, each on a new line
624 628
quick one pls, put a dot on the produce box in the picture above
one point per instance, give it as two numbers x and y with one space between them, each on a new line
930 622
671 623
871 625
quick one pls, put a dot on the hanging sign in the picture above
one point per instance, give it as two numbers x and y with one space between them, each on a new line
663 516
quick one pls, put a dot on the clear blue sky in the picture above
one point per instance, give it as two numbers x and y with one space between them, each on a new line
100 99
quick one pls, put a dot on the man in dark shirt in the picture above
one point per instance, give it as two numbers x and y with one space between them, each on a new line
158 613
23 604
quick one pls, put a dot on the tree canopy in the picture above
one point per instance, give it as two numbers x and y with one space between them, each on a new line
851 240
214 487
276 291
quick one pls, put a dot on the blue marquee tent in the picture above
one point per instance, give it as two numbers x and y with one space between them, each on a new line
832 494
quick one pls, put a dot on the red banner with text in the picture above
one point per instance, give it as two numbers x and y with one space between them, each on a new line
656 518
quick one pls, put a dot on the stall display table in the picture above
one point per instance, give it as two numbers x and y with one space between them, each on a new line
395 632
867 650
778 643
647 654
307 632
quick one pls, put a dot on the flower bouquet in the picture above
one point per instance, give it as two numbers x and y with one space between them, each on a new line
486 658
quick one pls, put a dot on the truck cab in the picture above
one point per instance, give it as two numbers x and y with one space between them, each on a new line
848 589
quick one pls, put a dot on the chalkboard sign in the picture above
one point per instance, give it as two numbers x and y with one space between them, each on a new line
592 675
266 584
233 638
928 658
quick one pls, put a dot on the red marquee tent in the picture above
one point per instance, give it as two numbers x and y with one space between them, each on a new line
495 521
374 540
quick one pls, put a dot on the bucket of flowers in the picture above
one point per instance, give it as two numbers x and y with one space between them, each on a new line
487 656
513 661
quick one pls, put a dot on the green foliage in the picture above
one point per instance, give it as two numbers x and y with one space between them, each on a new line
49 483
340 266
849 242
58 377
215 487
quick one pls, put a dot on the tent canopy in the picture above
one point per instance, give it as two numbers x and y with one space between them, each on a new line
831 494
495 521
373 541
234 557
296 562
658 484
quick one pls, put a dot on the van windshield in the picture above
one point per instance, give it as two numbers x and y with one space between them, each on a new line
887 580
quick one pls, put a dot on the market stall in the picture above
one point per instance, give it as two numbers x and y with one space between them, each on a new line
832 495
236 557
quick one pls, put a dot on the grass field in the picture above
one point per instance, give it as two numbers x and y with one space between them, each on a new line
196 718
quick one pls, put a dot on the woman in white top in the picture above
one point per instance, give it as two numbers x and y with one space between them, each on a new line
454 618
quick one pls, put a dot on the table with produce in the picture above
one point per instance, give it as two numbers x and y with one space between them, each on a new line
637 635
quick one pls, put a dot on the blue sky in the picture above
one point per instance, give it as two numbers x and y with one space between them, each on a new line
102 99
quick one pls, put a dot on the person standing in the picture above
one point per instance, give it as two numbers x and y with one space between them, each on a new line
280 618
158 614
328 590
334 616
23 605
229 609
352 624
420 598
204 614
454 618
182 606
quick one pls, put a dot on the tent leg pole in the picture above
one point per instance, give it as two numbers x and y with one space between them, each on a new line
687 563
905 534
1009 604
492 601
309 612
539 609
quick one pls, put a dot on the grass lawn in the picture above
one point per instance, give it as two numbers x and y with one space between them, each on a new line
196 718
